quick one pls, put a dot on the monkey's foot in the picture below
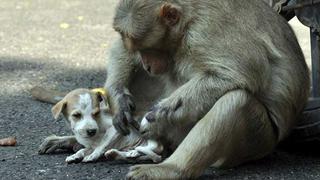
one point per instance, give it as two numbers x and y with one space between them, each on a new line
154 171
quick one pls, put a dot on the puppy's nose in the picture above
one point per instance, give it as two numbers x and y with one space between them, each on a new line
91 132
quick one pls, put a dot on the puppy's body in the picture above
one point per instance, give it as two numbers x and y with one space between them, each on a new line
90 118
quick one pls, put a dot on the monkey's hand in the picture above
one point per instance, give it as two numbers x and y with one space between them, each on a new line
123 116
188 104
156 121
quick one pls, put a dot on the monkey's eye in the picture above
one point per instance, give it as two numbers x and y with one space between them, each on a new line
77 115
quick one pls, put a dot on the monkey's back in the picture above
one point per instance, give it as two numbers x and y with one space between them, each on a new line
247 42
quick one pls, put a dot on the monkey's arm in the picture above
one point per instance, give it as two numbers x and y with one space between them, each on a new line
121 66
189 103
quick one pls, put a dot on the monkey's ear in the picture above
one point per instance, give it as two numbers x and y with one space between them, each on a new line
170 14
58 109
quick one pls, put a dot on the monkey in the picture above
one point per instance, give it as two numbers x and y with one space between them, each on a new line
236 80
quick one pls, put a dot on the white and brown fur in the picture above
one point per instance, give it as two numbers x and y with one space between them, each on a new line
90 117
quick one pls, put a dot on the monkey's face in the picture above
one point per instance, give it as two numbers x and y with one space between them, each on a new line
144 26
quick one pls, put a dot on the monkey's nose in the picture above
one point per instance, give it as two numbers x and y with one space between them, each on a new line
91 132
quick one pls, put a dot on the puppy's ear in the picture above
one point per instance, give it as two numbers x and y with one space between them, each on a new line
170 14
100 96
103 100
58 109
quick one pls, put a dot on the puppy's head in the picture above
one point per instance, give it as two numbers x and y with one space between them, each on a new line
83 109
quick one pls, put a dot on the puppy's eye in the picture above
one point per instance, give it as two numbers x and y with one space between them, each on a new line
76 115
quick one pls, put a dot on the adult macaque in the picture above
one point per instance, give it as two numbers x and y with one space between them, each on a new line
235 74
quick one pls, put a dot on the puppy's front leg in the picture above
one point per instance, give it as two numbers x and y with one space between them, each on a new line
151 150
106 143
78 156
115 154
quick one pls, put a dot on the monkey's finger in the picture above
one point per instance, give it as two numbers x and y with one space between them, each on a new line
135 124
163 113
121 129
126 103
151 117
42 150
154 107
128 116
131 105
53 148
131 120
178 104
146 134
44 147
120 126
120 123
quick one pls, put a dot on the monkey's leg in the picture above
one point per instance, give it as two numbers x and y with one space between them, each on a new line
237 129
53 143
46 95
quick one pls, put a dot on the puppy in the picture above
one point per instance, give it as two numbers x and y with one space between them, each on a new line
89 114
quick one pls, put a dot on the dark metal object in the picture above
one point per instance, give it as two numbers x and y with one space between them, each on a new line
302 4
308 130
308 12
309 15
315 49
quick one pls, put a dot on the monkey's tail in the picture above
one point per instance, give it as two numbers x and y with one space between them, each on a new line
46 95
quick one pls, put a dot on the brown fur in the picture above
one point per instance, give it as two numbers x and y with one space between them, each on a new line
236 83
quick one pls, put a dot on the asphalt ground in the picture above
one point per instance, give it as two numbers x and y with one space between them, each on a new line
62 44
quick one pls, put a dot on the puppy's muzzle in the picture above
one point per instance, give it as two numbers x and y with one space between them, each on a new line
91 132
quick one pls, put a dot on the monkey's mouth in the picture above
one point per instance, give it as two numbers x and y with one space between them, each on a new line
154 62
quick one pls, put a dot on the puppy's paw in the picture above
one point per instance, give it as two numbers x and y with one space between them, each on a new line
91 158
73 159
133 154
